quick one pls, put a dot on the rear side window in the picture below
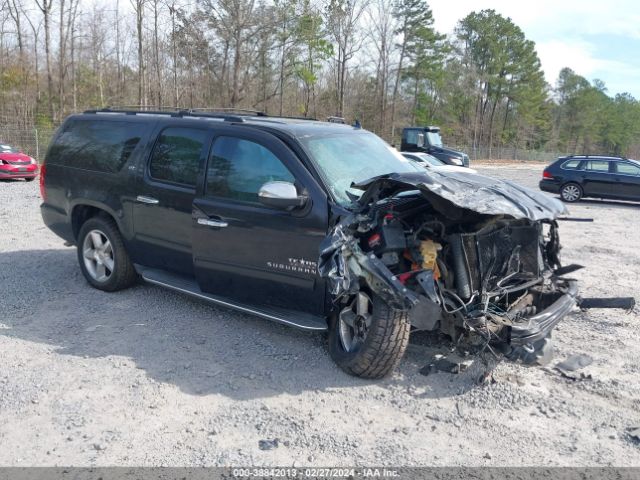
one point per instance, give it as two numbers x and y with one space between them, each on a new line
627 168
176 155
571 164
238 168
102 146
598 165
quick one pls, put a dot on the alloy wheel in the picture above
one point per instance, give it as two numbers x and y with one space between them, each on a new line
571 193
354 322
98 258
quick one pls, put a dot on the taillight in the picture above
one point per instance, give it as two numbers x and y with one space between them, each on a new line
43 193
546 174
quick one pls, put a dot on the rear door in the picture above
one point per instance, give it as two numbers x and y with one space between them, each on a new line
249 252
166 189
598 180
627 177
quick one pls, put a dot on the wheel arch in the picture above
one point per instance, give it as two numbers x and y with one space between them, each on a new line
84 210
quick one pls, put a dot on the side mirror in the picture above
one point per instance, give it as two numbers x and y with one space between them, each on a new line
420 140
281 195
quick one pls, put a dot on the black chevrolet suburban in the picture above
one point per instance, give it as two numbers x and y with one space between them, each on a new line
312 224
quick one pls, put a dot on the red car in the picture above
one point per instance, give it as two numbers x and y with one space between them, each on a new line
15 164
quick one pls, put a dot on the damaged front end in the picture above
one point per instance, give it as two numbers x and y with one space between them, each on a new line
474 257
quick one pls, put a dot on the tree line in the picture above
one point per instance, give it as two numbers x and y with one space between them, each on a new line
381 62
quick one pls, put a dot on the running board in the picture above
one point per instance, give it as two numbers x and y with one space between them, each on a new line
179 283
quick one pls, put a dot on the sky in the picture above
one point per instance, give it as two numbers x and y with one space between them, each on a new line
596 39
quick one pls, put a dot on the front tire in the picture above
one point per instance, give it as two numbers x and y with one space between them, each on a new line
571 192
103 258
368 338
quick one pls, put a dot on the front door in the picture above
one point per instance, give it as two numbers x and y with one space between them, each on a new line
628 180
246 251
162 217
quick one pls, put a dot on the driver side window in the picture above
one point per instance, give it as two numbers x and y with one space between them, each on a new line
238 168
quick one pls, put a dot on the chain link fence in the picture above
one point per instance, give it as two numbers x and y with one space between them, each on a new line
32 141
511 154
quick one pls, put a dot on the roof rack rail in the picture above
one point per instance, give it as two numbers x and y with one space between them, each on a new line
240 111
175 113
610 157
145 108
226 114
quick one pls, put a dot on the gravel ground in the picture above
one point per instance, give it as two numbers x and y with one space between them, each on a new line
150 377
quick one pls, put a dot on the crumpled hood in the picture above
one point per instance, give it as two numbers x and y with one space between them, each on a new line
481 194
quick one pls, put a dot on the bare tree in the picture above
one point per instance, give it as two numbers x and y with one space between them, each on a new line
156 50
173 10
381 28
138 7
46 7
343 17
35 29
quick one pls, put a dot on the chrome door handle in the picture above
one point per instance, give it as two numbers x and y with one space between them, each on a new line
149 200
212 223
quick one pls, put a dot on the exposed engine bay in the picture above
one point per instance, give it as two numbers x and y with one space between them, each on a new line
475 258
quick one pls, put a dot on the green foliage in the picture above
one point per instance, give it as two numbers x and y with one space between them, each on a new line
425 50
589 121
315 48
509 90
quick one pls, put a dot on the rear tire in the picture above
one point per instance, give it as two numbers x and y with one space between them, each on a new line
30 179
571 192
381 349
103 258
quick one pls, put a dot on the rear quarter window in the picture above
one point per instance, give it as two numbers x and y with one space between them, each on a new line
571 164
627 168
101 146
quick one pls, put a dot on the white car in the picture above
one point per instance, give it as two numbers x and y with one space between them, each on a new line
428 161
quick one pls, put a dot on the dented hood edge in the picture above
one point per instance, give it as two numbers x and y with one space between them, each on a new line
478 193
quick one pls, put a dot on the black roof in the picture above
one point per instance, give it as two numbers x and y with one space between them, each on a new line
295 126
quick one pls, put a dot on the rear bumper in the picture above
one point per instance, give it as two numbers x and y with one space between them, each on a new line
18 171
540 325
57 221
550 186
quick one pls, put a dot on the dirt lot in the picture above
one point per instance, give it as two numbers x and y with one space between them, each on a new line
150 377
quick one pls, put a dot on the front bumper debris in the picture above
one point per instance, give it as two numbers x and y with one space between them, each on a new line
469 256
540 325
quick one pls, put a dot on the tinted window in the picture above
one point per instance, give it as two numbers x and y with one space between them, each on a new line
412 136
176 155
238 168
598 165
571 164
103 146
628 168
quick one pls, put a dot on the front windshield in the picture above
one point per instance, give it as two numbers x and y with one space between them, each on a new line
434 139
431 160
343 159
7 149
